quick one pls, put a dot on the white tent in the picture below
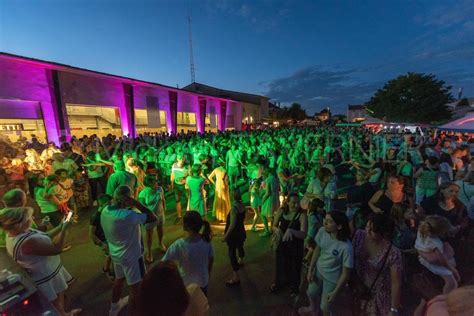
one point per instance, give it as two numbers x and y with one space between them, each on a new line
464 124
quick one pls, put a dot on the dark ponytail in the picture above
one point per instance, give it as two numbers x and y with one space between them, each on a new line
206 231
193 221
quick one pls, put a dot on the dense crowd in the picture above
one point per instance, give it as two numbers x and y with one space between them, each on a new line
353 215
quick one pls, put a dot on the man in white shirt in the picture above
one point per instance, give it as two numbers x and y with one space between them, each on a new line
121 225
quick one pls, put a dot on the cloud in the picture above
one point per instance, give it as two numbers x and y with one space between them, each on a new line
446 25
447 14
317 87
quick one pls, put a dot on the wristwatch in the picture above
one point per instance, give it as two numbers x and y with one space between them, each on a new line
394 310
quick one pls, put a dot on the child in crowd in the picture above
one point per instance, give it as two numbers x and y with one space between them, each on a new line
81 190
65 193
436 256
17 172
255 191
153 198
96 233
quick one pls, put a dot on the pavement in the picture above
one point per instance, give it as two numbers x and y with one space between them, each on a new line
92 289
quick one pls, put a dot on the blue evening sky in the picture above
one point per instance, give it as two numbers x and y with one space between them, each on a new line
317 53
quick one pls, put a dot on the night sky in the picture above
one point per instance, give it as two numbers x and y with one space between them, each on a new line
317 53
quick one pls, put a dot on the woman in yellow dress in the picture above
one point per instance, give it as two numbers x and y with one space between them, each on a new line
222 195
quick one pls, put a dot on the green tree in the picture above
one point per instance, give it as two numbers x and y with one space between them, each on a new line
296 112
412 98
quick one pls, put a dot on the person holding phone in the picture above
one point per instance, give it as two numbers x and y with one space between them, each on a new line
38 253
121 224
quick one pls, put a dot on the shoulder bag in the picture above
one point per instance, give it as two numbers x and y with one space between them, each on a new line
361 291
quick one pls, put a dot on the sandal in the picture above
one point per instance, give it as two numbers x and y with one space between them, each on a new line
232 282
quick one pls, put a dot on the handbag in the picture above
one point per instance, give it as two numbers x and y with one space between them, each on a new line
361 291
276 238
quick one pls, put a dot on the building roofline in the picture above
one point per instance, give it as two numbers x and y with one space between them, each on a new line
225 90
79 70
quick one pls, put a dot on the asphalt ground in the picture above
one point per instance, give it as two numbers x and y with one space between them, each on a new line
92 289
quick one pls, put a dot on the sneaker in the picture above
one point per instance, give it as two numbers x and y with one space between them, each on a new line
265 234
117 307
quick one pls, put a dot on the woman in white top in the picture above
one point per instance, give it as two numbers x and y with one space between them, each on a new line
194 253
38 254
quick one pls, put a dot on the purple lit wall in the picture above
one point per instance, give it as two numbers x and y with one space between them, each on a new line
234 115
222 115
47 88
29 82
201 117
91 90
173 112
126 110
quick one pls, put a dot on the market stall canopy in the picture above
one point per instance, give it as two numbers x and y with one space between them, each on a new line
464 124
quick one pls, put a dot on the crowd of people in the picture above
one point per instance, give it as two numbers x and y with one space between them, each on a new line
353 215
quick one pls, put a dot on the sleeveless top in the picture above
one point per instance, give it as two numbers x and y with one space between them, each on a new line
238 233
47 272
40 268
284 224
385 203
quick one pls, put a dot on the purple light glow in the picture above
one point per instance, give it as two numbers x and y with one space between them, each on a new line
26 80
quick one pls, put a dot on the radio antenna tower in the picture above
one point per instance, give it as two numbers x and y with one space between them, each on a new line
191 57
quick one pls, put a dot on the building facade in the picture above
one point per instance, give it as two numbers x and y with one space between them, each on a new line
357 113
55 102
254 108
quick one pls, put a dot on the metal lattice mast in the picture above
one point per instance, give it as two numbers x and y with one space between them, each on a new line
191 57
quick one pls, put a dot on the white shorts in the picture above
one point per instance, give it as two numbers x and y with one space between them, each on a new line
133 272
321 288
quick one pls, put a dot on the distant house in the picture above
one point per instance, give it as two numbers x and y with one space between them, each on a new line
357 113
254 107
324 115
461 111
339 118
274 111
